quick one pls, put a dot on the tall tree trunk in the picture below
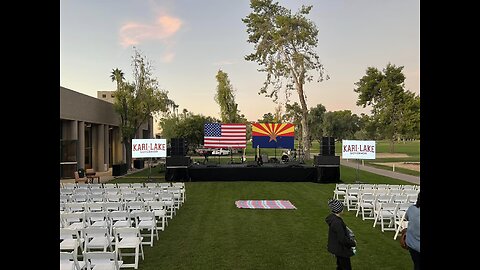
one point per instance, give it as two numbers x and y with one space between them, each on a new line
305 131
128 150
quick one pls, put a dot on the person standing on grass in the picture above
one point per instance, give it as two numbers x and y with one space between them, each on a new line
413 232
339 242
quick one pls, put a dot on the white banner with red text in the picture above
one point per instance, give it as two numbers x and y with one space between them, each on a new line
146 148
354 149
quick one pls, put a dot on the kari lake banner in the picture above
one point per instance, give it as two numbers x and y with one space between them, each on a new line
145 148
352 149
268 135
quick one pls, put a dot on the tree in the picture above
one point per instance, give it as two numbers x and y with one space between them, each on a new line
135 102
278 116
267 118
315 122
340 124
284 46
409 126
385 93
225 97
293 114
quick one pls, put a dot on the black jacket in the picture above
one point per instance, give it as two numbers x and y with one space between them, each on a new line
339 243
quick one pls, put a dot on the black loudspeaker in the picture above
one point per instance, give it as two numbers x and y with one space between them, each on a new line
326 160
178 147
119 169
328 174
178 161
327 148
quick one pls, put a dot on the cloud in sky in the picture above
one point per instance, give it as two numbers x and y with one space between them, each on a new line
164 27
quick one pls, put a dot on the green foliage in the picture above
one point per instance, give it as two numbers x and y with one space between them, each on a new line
135 102
396 111
315 122
267 118
340 124
284 46
225 97
190 127
293 114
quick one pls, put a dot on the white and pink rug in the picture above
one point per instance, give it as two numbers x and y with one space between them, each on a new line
265 204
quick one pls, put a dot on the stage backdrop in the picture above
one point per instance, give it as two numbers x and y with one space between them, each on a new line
145 148
225 135
268 135
352 149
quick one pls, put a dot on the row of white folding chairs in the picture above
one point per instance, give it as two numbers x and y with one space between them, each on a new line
353 196
98 232
124 238
111 197
343 194
341 188
380 208
119 185
91 260
167 205
133 194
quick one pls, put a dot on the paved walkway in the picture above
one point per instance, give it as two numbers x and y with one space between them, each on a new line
391 174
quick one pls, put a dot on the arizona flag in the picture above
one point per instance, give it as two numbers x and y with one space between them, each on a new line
267 135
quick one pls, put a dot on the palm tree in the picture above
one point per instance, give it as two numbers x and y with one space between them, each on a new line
117 75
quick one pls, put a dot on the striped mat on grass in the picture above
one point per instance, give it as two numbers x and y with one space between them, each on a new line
265 204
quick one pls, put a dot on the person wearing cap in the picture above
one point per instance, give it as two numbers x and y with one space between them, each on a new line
339 243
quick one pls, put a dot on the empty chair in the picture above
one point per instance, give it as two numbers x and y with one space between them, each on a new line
70 240
69 261
340 191
135 206
109 185
366 204
97 238
408 187
96 197
147 197
146 220
395 192
119 219
401 224
64 198
129 197
412 198
79 198
160 210
124 185
167 199
113 206
97 219
136 185
151 185
400 199
75 221
99 260
129 238
113 197
351 197
94 207
386 211
111 190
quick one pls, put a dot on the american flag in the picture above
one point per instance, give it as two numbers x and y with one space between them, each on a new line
225 135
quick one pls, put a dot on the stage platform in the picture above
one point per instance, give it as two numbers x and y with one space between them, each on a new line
276 172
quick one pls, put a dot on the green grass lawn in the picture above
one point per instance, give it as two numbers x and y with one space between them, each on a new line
209 232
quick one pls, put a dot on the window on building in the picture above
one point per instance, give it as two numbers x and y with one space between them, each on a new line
112 95
104 95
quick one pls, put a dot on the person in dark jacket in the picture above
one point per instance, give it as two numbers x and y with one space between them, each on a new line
339 243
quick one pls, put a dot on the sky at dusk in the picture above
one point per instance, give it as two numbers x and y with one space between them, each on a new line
187 42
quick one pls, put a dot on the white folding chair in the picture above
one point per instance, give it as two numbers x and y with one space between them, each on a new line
97 238
366 204
160 210
129 238
400 224
99 260
70 240
69 261
386 211
146 220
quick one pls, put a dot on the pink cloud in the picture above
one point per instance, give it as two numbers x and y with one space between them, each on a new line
162 29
